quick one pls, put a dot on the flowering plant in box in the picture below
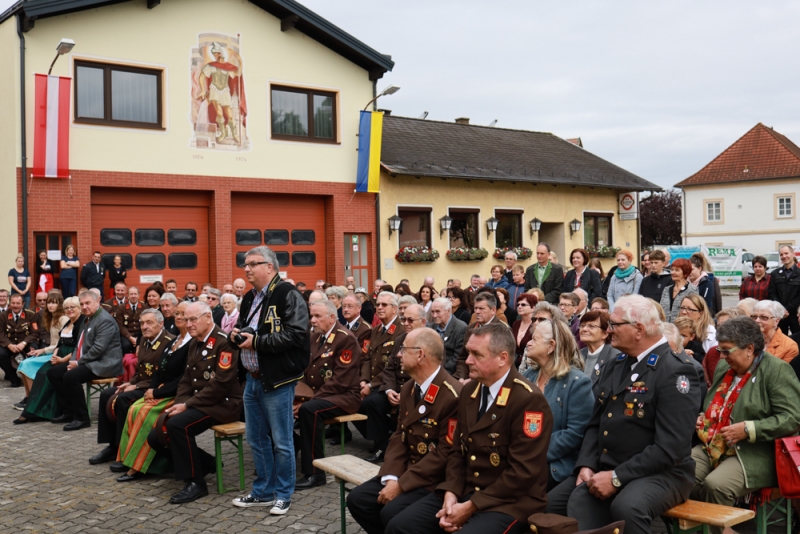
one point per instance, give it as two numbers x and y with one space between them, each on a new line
416 255
523 253
467 254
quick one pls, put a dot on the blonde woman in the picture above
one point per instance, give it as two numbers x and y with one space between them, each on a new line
556 369
694 307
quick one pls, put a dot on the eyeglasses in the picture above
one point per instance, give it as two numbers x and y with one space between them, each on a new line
383 304
523 303
566 305
590 326
70 308
408 319
195 319
403 349
688 310
253 264
727 352
762 318
612 325
539 319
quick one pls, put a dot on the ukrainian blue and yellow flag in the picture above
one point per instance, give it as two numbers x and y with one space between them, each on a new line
370 132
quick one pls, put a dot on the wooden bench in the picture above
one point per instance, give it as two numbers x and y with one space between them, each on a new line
347 468
694 516
342 421
777 509
232 433
96 386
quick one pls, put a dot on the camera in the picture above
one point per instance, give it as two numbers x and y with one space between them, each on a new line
238 339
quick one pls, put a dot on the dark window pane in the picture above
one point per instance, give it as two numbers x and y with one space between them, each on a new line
149 237
134 96
276 237
248 237
508 230
41 244
183 260
283 259
604 231
303 237
289 113
415 228
67 240
182 237
304 259
323 116
91 95
589 231
127 260
463 229
151 262
54 243
115 237
240 256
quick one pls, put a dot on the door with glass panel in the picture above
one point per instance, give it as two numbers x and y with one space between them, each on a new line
356 258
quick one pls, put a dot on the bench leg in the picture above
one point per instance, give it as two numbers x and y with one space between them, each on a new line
89 399
342 502
218 460
342 427
241 463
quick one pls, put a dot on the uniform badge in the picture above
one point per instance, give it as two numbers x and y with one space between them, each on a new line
10 316
621 357
502 398
494 459
155 347
388 344
327 354
451 429
628 409
385 358
652 359
640 413
346 356
392 329
225 360
206 375
213 374
682 384
422 448
331 337
532 425
430 395
211 342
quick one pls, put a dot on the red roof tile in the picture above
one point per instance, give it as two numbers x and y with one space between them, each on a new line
760 154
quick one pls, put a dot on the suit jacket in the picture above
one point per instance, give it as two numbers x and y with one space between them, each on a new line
502 457
128 320
785 290
334 369
101 351
210 383
606 353
418 449
552 286
380 347
149 359
453 339
590 282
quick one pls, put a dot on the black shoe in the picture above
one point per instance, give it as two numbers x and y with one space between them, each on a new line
106 455
129 478
21 405
372 448
77 425
310 481
337 440
63 418
377 457
191 492
118 467
20 421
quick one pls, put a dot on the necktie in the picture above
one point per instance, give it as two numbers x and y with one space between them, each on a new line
484 401
80 347
417 393
321 340
16 317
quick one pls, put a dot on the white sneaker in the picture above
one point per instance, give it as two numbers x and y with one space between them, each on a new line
249 501
281 507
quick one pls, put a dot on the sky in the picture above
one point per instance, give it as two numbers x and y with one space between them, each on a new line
658 88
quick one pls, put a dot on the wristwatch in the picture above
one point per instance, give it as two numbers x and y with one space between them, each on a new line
746 431
614 480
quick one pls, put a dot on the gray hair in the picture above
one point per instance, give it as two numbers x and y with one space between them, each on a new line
330 307
546 307
672 334
772 307
545 245
488 298
445 302
319 292
155 313
512 254
420 311
566 352
214 291
407 299
229 296
204 307
339 291
741 331
393 299
582 294
170 297
746 305
266 253
94 295
641 310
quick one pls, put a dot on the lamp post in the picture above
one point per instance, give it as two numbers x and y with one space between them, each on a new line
63 47
392 89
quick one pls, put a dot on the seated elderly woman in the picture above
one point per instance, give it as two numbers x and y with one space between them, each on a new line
768 313
228 301
543 311
335 294
712 356
752 401
598 348
556 369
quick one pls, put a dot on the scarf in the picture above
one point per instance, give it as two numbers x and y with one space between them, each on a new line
718 415
619 273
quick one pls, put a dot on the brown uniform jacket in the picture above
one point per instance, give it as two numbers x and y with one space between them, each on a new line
333 372
26 329
128 321
210 383
149 357
502 458
379 348
462 369
112 306
418 449
393 375
362 332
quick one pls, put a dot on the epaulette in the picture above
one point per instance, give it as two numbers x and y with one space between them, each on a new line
342 331
451 388
475 393
523 384
31 311
222 334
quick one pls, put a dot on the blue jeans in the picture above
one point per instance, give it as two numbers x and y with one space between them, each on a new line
270 422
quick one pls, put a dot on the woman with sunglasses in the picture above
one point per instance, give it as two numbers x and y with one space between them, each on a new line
543 311
521 329
768 313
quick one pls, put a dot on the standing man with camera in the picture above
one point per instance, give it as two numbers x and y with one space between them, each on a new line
272 334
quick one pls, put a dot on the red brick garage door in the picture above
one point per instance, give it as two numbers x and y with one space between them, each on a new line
291 225
156 232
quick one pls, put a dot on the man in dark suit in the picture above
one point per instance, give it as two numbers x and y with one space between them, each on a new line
93 274
98 355
547 276
784 287
450 329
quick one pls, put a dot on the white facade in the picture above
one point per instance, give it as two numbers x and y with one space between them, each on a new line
758 216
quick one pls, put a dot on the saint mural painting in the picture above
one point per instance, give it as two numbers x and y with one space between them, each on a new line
219 105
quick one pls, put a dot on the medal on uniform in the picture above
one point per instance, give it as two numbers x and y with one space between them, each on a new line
212 374
422 448
640 411
628 409
494 459
204 353
206 375
403 437
422 409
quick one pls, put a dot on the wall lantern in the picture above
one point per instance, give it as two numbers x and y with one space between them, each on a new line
394 224
574 226
536 225
491 225
444 224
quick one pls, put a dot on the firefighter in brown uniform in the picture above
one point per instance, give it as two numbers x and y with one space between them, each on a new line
19 330
128 321
417 454
351 310
114 410
497 470
378 349
485 312
333 375
208 394
118 301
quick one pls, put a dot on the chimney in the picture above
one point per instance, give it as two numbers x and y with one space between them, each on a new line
462 120
576 141
386 112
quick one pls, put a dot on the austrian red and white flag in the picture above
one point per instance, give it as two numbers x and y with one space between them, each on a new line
51 128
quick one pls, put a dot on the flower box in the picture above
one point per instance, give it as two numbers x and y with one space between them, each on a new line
416 255
467 254
523 253
603 252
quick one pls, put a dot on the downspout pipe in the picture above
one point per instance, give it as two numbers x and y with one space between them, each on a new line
23 137
377 201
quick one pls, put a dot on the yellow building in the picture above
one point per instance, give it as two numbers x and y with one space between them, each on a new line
479 177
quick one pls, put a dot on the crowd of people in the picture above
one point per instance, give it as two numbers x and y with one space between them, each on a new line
600 397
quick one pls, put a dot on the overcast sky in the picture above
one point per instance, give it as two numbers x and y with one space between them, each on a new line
659 89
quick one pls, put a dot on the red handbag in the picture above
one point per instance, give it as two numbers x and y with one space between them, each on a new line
787 466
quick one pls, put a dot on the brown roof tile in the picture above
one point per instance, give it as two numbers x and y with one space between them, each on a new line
760 154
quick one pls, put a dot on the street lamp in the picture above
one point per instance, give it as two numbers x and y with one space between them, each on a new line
491 225
574 226
536 225
444 224
394 223
63 47
392 89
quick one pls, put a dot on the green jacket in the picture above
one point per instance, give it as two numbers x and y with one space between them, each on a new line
770 408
